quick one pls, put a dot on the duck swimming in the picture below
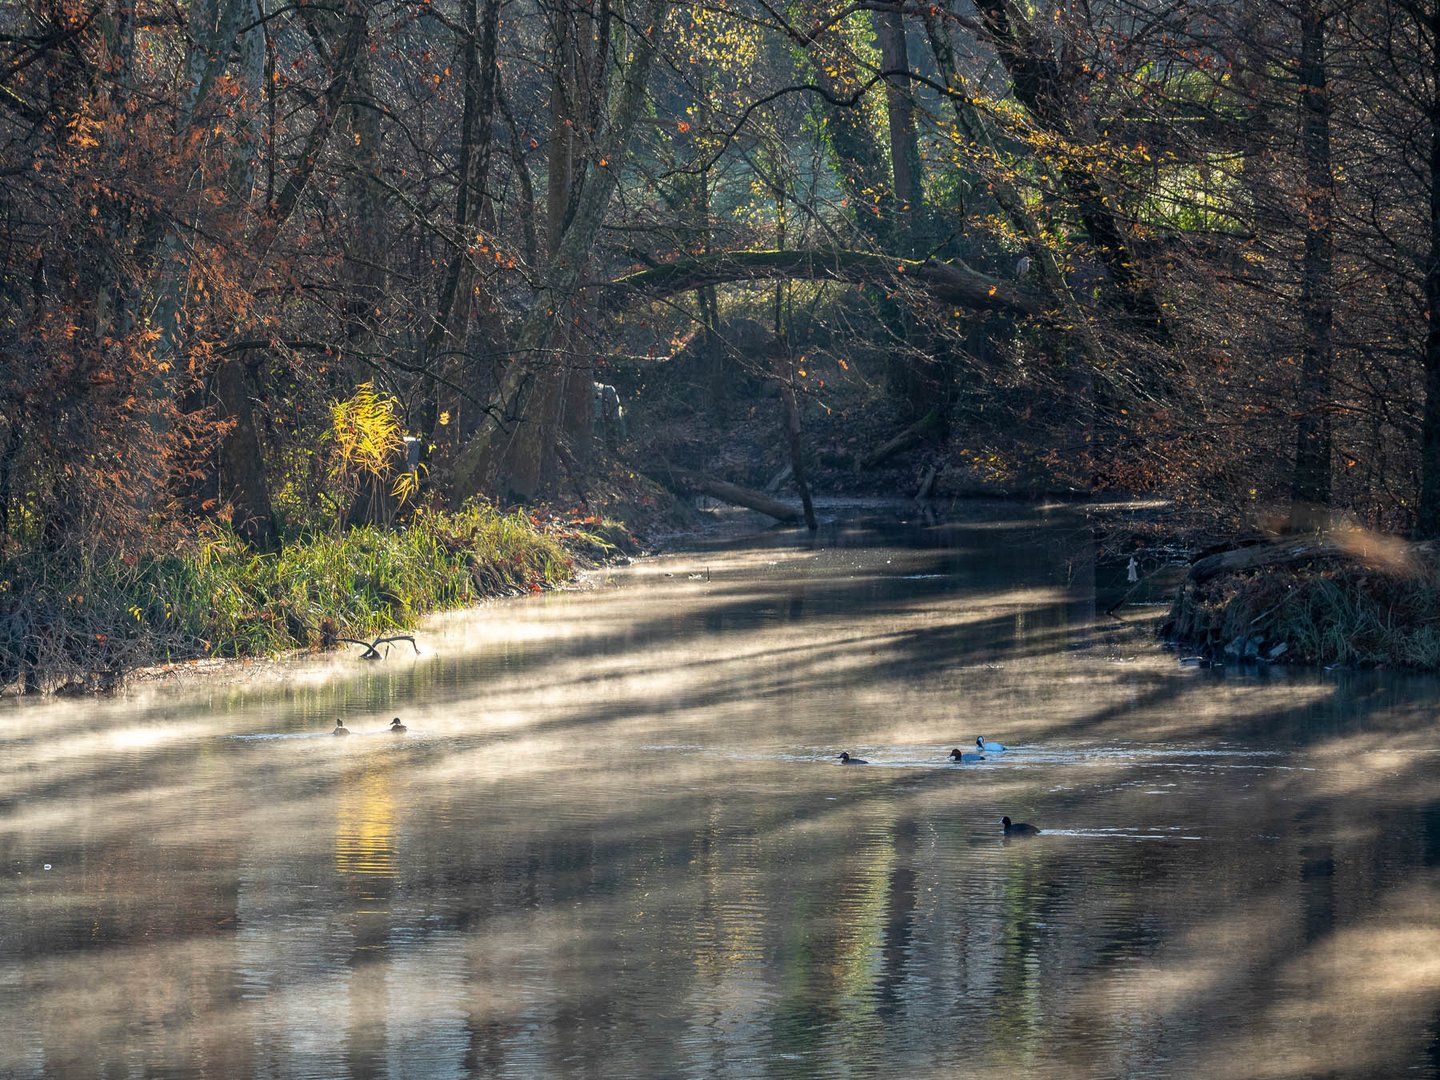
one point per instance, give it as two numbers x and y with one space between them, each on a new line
340 728
988 747
846 759
1019 828
397 727
959 758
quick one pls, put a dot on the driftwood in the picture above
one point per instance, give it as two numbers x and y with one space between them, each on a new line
918 432
372 648
736 495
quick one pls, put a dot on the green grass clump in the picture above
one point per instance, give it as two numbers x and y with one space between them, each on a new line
85 616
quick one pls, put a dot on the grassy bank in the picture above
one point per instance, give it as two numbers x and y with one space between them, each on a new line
1329 612
80 618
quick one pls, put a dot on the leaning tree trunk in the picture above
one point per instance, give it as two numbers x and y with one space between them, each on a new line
1039 83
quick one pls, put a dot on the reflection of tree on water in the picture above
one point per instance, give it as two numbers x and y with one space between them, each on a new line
365 862
1017 1009
899 920
365 830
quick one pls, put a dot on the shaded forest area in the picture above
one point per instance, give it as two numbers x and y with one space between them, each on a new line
277 270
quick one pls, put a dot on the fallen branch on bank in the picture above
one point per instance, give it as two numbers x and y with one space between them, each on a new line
1358 546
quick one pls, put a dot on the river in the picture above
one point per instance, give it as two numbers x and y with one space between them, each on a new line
616 842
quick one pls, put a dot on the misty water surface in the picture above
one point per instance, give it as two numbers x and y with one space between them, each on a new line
615 841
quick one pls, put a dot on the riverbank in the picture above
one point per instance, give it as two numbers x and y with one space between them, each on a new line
81 621
74 624
1346 598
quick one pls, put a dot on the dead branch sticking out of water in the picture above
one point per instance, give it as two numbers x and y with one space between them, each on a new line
372 648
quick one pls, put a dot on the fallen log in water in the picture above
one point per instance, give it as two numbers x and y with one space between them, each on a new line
735 495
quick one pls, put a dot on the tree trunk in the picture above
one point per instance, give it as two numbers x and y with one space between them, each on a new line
951 283
928 427
477 468
1310 490
442 350
736 495
792 440
1427 521
904 142
974 127
242 480
857 157
529 460
1039 83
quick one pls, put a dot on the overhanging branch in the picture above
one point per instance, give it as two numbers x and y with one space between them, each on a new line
950 283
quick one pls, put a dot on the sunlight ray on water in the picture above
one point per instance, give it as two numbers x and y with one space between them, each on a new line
615 840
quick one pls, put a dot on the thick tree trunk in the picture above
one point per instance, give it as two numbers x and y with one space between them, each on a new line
1427 520
857 157
560 399
241 460
916 382
900 114
1310 490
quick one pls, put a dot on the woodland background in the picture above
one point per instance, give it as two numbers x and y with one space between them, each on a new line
248 246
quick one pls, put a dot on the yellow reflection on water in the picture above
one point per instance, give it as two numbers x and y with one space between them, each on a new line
365 826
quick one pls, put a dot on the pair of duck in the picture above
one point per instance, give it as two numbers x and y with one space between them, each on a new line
395 726
985 748
955 755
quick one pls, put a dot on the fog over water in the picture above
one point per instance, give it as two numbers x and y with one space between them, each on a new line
615 840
